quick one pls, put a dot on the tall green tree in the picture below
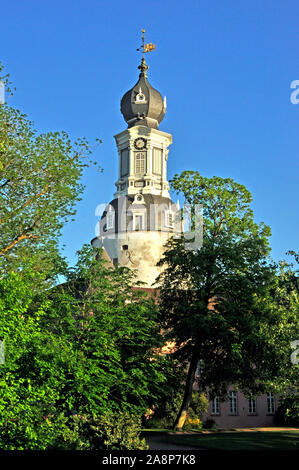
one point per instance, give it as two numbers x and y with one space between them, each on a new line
216 301
39 187
114 330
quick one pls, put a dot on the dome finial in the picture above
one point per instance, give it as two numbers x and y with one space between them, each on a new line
143 105
143 67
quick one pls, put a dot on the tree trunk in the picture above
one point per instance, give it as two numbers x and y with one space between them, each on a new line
181 417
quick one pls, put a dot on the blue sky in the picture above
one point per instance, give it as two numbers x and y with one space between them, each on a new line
226 67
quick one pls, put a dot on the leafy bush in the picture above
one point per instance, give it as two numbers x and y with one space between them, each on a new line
287 413
199 404
166 413
112 431
210 424
76 351
192 424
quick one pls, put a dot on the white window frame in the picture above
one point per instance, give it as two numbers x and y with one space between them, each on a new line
252 406
141 163
135 215
215 405
110 219
169 219
233 402
270 403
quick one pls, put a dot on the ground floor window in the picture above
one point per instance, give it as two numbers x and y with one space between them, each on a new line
233 402
252 406
270 403
215 406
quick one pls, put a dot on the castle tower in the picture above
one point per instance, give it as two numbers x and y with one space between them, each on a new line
139 220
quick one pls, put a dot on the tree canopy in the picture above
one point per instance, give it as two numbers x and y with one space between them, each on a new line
39 187
216 301
79 357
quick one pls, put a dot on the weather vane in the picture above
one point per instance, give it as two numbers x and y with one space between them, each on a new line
145 47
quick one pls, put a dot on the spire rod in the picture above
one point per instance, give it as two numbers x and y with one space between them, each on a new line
143 49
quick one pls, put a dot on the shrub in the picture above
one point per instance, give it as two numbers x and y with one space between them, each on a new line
192 424
166 412
287 413
199 404
112 431
210 424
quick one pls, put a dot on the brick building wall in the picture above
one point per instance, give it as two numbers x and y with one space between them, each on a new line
240 412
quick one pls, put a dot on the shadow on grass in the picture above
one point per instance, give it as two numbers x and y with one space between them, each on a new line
261 440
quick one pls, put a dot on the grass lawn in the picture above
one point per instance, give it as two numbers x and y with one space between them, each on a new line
240 440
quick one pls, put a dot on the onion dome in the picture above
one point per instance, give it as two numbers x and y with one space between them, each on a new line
143 105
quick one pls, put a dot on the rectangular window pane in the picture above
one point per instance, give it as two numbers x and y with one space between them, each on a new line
140 163
252 405
157 161
215 405
270 403
124 162
233 402
169 219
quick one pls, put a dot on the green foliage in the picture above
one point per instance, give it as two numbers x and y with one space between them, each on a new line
219 303
85 348
26 401
168 406
39 187
210 424
199 404
112 431
114 335
287 413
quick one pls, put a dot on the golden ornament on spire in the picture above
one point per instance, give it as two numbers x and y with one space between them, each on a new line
146 47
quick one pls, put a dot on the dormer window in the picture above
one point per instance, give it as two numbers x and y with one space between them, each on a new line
140 97
169 219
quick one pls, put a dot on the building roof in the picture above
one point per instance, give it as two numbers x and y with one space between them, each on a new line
152 206
143 105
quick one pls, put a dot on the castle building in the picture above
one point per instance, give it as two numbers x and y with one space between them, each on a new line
139 220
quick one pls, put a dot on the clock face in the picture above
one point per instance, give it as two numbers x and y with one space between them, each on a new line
140 143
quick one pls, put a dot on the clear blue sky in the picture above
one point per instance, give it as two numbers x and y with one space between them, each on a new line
225 66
